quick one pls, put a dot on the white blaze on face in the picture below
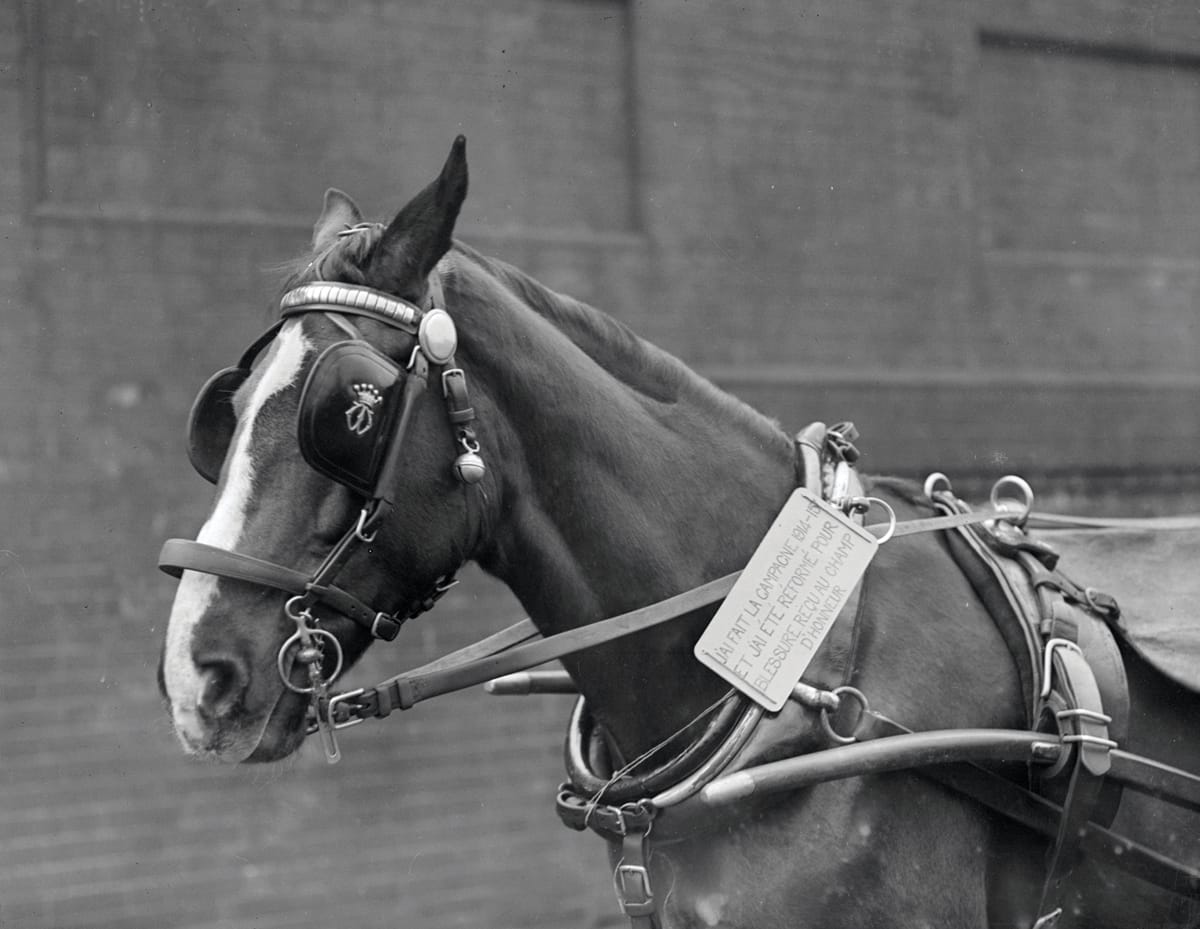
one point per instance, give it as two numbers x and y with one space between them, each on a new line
196 592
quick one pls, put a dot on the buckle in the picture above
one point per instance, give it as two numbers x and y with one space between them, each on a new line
385 626
335 701
632 885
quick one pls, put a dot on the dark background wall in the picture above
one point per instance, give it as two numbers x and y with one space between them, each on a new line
972 228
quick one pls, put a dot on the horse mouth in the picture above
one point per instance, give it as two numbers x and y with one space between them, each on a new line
284 730
245 739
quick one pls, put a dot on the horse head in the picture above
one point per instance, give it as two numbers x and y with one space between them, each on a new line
344 502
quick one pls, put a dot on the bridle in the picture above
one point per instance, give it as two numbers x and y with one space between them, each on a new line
354 366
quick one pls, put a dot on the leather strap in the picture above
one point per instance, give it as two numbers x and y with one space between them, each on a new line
631 880
408 689
584 740
179 555
1080 719
1157 523
1022 805
1027 808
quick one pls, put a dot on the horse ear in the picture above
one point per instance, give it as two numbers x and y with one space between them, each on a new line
422 231
338 212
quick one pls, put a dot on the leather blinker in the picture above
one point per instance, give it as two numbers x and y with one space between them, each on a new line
347 410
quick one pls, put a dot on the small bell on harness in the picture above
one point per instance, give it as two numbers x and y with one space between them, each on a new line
469 467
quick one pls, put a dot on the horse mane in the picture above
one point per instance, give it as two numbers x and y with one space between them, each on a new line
641 366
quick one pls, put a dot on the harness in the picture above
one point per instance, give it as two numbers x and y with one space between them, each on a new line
1077 713
355 410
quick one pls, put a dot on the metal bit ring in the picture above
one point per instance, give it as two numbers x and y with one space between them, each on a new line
298 638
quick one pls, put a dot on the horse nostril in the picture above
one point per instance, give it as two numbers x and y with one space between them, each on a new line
222 683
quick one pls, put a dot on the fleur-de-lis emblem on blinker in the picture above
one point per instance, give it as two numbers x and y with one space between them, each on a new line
360 415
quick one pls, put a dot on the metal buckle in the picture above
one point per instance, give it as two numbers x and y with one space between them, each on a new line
632 885
342 698
385 617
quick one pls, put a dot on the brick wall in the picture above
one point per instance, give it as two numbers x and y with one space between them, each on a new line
846 209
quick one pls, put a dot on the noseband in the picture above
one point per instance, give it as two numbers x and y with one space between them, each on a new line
354 385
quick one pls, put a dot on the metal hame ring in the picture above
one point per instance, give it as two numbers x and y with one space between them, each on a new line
935 482
1025 501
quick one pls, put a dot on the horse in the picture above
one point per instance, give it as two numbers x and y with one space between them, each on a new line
593 473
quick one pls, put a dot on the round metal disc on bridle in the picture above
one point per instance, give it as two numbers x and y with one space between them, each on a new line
438 337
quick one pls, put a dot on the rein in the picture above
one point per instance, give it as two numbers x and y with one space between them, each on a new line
505 654
500 660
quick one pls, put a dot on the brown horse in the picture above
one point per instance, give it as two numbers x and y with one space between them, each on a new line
615 477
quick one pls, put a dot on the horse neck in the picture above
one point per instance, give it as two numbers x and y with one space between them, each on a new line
614 491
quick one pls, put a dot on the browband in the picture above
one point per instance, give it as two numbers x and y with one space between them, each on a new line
350 298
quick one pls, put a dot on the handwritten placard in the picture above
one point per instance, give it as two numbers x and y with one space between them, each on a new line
786 600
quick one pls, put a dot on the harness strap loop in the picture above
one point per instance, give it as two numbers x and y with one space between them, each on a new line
631 881
1074 698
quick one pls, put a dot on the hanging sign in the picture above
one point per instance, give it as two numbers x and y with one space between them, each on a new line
779 611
